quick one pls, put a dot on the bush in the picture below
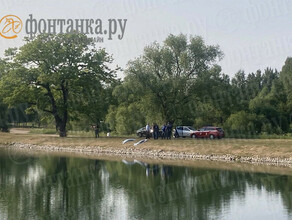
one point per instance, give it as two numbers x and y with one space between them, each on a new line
243 123
125 119
4 128
267 128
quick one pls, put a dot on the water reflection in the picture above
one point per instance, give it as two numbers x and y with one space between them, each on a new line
72 188
152 169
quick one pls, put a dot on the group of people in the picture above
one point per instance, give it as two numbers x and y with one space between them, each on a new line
166 131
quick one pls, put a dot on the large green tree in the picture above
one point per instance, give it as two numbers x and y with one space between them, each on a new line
3 106
163 78
57 74
286 79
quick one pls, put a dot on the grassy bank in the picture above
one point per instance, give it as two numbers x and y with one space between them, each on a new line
90 133
274 148
71 133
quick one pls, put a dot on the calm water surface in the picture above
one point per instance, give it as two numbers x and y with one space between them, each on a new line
51 187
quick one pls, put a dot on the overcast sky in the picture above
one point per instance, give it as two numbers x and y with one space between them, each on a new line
253 34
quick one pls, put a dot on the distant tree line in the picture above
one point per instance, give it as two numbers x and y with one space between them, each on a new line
63 78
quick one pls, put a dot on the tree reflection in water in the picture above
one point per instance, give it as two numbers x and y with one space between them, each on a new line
59 188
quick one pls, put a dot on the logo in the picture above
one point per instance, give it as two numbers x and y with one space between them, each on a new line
10 26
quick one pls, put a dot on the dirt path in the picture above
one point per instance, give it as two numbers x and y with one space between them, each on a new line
19 130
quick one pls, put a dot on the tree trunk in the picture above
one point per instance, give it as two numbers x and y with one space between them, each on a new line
64 87
61 122
61 127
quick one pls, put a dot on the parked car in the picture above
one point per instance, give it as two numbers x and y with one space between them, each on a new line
141 132
183 131
208 132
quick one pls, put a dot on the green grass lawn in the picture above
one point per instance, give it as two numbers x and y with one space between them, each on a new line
240 147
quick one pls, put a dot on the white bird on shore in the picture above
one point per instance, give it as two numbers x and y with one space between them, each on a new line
127 140
140 142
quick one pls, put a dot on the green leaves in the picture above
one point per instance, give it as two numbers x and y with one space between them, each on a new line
162 82
58 74
179 80
286 79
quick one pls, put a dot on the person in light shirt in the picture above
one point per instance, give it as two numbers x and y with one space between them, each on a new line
147 131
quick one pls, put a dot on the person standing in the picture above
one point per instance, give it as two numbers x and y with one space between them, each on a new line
169 130
163 131
156 131
96 131
147 131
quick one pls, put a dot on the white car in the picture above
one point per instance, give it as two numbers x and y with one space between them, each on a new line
183 131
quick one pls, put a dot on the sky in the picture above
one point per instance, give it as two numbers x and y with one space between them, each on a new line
253 34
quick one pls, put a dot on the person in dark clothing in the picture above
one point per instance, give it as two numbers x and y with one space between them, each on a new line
169 131
96 131
155 131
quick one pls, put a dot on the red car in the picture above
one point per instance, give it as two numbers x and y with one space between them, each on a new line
208 132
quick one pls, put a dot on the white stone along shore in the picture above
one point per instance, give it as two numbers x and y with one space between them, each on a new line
132 152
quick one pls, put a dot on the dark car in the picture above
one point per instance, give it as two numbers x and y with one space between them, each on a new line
208 132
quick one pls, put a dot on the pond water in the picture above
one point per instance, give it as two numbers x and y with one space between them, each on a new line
55 187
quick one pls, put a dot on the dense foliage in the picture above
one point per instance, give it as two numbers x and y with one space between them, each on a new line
62 75
64 78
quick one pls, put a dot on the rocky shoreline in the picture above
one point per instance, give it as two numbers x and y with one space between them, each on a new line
132 152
